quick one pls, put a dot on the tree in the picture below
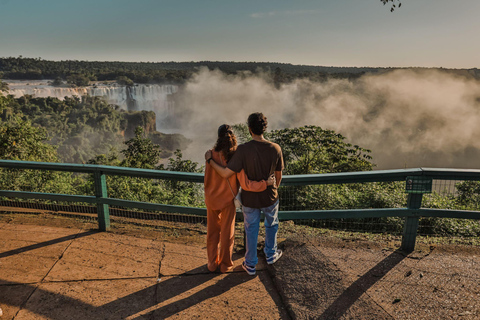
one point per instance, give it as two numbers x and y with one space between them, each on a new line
124 81
183 193
58 82
241 132
311 149
19 140
181 165
3 86
141 152
109 159
78 80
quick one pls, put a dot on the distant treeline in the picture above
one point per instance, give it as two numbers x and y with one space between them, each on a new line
79 72
19 68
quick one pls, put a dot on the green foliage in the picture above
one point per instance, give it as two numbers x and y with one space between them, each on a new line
19 140
468 194
183 193
311 149
449 227
165 72
109 159
344 196
141 152
57 82
78 80
178 72
3 86
124 81
241 132
181 165
4 106
169 142
83 128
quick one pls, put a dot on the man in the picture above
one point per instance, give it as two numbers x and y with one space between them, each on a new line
259 158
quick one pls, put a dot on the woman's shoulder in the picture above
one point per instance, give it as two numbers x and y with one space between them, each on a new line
218 157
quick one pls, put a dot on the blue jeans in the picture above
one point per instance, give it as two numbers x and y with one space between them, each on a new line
251 218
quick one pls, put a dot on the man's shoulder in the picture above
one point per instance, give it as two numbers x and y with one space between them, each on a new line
246 146
242 147
255 146
251 143
275 145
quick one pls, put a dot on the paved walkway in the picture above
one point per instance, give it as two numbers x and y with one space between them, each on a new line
60 273
49 272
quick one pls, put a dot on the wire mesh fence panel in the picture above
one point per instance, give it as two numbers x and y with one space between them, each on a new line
458 194
152 216
347 196
172 192
46 181
390 225
156 191
343 196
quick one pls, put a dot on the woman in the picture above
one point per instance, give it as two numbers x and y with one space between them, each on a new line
219 196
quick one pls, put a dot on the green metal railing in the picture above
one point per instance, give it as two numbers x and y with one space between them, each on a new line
412 212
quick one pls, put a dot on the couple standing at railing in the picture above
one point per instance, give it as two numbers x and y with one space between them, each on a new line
257 167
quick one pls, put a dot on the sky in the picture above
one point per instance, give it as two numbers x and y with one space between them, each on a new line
351 33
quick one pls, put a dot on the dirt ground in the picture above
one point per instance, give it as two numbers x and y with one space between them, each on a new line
319 277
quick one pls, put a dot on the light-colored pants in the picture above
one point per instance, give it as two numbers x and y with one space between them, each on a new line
251 218
220 232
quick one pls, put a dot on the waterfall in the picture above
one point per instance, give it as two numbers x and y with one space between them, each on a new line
149 97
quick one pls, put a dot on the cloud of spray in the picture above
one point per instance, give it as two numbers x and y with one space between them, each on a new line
407 118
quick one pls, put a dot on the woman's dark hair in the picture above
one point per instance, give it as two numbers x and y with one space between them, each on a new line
257 122
226 142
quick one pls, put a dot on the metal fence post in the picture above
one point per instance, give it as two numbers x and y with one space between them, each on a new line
102 209
414 201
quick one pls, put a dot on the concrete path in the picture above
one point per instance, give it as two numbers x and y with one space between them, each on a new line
61 273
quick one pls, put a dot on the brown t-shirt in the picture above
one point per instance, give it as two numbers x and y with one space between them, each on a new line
259 159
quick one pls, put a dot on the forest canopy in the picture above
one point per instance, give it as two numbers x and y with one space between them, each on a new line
82 128
77 73
73 71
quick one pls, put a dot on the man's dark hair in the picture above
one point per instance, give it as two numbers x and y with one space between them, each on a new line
257 122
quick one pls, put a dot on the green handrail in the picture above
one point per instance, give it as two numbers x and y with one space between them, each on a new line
411 213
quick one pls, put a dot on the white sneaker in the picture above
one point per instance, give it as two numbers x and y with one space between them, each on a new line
275 257
250 270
